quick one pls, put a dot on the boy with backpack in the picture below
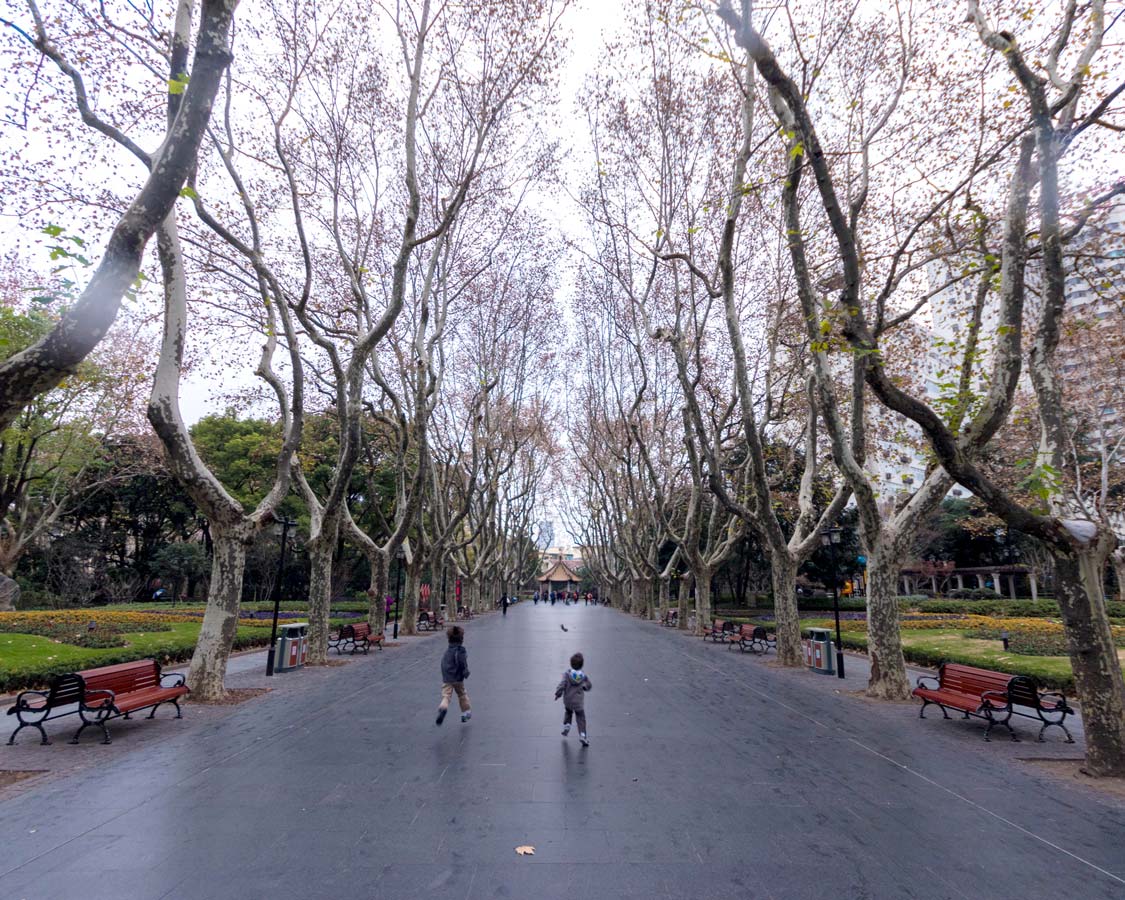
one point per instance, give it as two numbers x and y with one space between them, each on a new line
573 689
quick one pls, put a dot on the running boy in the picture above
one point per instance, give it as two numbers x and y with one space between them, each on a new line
454 671
572 689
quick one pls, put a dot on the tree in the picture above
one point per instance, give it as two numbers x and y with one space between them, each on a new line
184 562
54 453
42 365
1049 125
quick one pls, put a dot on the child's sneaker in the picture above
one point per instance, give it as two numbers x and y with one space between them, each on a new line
566 730
441 716
585 740
465 716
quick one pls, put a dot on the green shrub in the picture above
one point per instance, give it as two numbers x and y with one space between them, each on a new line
973 594
34 598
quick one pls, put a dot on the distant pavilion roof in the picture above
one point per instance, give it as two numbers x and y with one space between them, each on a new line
560 571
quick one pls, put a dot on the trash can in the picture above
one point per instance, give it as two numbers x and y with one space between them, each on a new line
818 651
292 646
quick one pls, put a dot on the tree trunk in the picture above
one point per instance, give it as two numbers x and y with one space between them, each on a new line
321 552
1093 657
409 622
1118 558
208 668
377 592
888 679
703 598
663 594
784 577
9 592
682 600
642 595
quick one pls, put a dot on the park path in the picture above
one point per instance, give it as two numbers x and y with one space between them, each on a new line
710 775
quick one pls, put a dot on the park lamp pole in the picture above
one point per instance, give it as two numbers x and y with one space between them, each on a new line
830 537
400 555
285 524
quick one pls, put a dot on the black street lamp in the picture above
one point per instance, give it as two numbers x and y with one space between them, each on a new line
830 538
400 555
285 524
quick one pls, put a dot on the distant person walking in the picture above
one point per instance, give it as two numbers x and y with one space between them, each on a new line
454 671
504 604
573 689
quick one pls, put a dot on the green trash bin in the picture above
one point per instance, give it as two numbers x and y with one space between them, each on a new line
292 646
818 651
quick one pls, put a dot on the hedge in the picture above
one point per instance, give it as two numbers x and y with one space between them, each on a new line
1009 609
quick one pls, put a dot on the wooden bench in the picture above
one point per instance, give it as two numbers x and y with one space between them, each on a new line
671 618
992 696
33 708
355 637
754 638
98 695
720 632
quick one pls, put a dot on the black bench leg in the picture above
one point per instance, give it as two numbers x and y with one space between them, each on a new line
925 703
1046 725
100 720
23 725
992 722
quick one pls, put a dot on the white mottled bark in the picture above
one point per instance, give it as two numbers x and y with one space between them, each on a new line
220 621
320 596
783 574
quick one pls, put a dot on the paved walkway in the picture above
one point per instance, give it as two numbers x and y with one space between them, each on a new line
710 775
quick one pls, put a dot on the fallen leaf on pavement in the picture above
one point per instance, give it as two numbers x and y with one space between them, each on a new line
525 850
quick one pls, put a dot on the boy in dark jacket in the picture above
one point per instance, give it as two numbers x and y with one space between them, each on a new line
454 671
573 689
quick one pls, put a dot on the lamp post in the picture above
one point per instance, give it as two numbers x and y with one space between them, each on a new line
830 537
285 524
400 555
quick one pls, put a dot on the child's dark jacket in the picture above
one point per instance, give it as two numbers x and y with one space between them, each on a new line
572 689
454 664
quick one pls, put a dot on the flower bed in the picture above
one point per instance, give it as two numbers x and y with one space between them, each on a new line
857 622
1033 637
82 628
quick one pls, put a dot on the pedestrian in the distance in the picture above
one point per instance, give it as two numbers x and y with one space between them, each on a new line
454 671
573 689
504 604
